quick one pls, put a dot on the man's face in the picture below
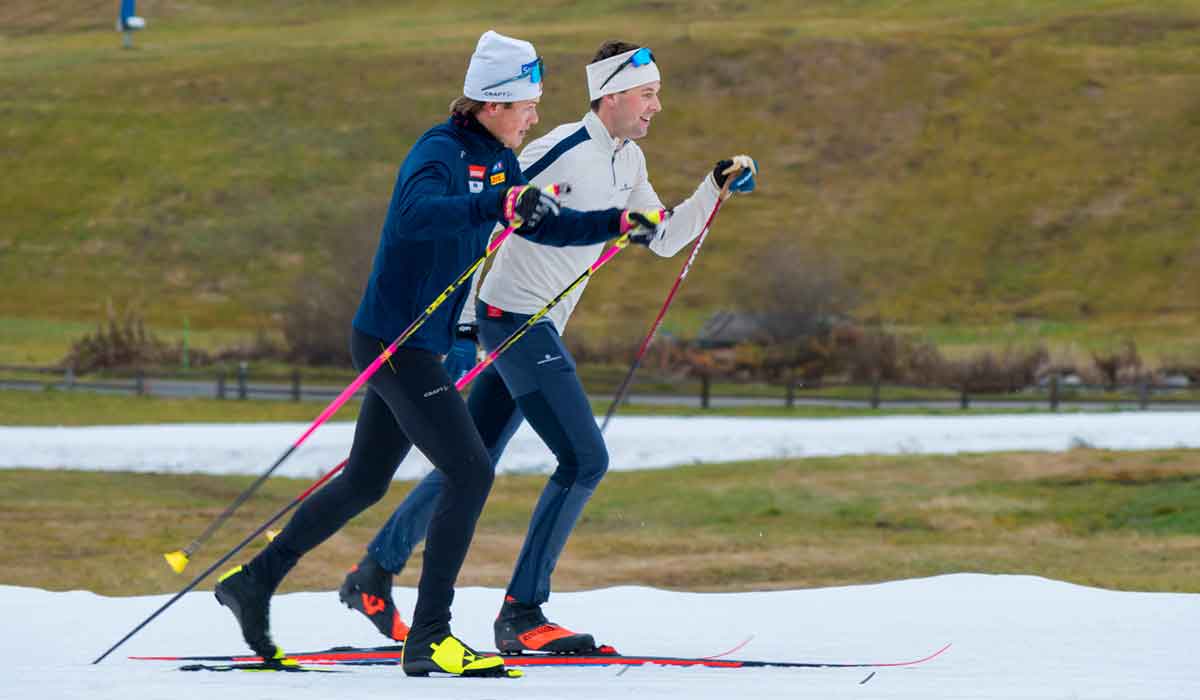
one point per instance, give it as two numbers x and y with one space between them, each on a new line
509 124
633 109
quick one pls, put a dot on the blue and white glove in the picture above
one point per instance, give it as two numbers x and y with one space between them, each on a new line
742 168
462 356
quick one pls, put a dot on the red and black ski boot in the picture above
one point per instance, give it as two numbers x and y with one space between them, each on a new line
368 589
521 627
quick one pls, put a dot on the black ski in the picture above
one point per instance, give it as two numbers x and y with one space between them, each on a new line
265 666
390 656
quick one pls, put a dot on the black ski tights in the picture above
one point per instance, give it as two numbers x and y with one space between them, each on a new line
410 400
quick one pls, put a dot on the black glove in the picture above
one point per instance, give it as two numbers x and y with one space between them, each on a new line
643 226
529 205
747 168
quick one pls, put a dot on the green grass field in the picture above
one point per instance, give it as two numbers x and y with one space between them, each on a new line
979 169
1112 519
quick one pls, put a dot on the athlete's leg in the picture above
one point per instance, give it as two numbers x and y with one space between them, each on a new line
496 417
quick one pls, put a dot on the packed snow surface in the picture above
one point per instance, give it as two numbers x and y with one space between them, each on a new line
634 443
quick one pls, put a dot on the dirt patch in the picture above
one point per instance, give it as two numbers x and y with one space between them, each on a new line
1121 29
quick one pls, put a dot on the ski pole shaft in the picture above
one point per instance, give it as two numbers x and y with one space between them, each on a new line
217 564
683 272
178 559
516 335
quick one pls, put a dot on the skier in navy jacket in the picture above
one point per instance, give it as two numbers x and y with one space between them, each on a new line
457 182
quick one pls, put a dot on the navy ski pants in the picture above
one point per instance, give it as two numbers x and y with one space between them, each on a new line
534 380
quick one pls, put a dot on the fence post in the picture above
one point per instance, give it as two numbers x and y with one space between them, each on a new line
296 384
1054 392
790 401
139 382
221 385
705 389
964 399
241 377
1143 393
875 392
69 377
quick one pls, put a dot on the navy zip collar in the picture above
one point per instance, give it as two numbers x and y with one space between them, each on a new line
468 124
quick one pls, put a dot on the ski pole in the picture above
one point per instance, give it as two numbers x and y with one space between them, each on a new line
329 410
516 335
466 379
215 565
178 559
687 265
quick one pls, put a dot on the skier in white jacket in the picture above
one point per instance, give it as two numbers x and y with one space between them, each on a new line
535 379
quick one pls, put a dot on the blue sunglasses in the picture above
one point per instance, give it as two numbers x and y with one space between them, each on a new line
639 58
532 70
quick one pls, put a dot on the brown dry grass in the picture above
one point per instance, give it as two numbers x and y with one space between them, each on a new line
1118 520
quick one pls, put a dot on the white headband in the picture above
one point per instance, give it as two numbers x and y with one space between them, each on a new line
630 76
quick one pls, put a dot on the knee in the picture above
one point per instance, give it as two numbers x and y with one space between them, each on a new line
593 469
586 470
368 492
474 474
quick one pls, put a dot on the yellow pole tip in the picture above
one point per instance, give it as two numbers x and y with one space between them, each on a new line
177 560
271 535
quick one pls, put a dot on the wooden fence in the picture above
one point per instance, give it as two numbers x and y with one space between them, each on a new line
236 383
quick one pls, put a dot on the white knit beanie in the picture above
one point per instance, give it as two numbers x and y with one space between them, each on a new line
496 61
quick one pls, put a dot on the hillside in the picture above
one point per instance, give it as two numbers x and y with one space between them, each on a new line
963 163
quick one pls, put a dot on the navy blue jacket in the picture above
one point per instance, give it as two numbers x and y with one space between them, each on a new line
446 202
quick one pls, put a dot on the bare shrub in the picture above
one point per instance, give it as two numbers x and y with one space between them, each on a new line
872 354
799 297
121 341
1003 372
1120 365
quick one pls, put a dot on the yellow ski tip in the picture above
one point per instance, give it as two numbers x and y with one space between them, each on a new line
271 535
177 560
513 672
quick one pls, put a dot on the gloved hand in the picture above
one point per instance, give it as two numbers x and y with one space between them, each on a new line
743 181
643 226
462 356
526 205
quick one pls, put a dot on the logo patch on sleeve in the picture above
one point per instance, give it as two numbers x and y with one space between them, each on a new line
476 171
476 186
497 178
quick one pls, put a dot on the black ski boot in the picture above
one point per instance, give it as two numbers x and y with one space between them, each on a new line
441 652
368 589
250 602
521 627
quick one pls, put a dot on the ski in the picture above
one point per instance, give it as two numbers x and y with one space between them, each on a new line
390 656
267 667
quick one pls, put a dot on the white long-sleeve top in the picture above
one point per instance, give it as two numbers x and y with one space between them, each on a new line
603 173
